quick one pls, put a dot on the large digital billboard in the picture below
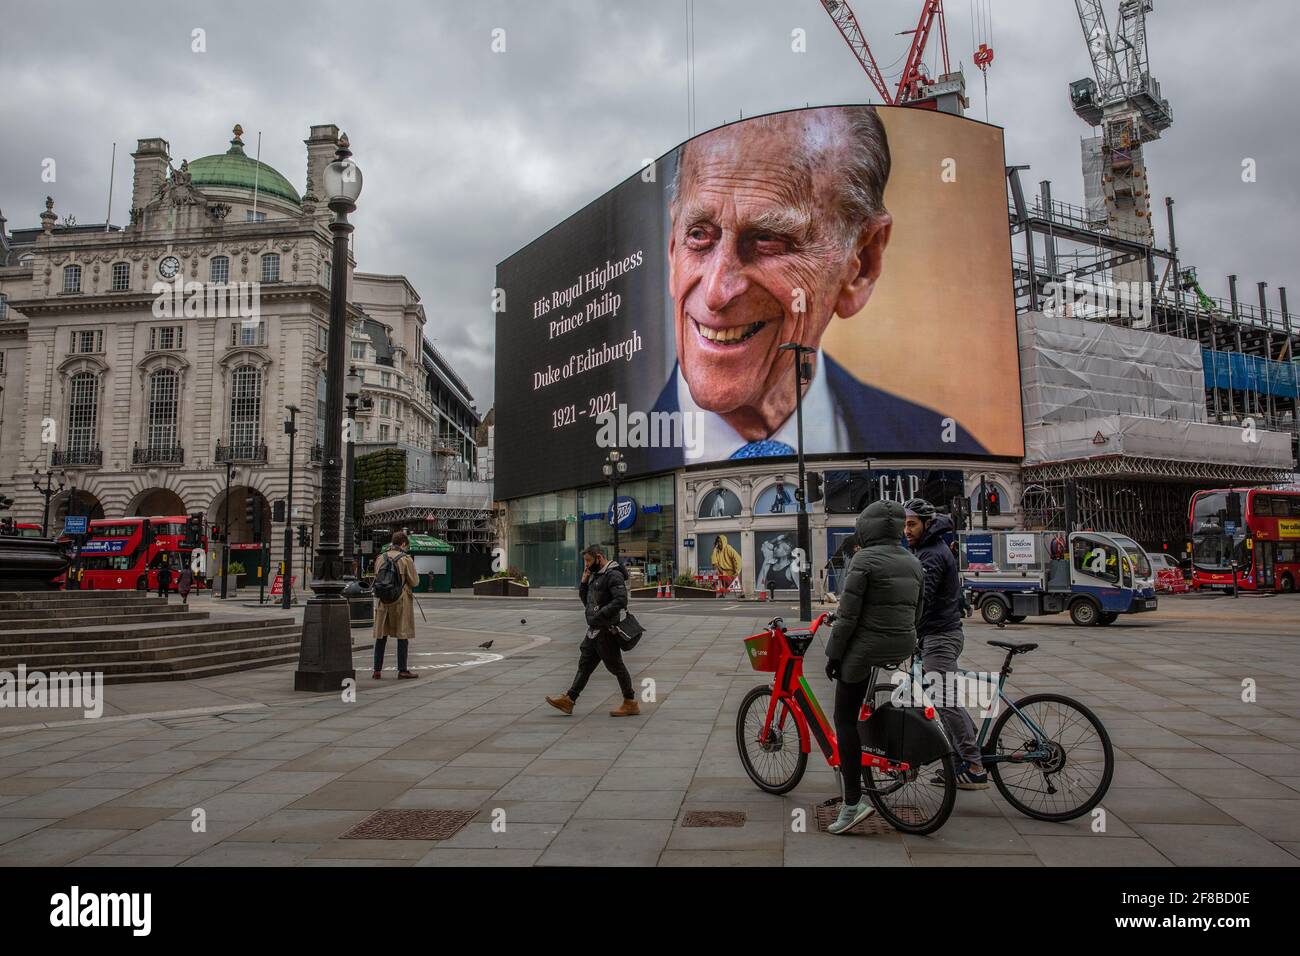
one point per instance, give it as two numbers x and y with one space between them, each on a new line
653 320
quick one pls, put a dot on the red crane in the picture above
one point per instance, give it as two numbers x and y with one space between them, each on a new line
912 84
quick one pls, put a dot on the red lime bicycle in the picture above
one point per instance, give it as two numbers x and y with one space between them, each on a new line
902 747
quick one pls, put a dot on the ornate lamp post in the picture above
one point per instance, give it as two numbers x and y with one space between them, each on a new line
225 530
286 580
360 600
614 469
325 654
352 391
47 493
802 531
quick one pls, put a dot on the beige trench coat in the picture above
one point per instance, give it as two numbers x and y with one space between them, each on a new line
398 619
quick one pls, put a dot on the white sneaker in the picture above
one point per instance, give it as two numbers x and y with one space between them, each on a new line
851 815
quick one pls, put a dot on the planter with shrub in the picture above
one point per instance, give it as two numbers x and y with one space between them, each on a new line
509 583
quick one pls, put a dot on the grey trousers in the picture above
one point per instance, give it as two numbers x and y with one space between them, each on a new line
939 653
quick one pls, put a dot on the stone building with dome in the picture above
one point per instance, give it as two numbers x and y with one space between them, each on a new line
137 362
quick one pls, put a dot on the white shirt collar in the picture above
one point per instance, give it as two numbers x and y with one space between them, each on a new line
824 431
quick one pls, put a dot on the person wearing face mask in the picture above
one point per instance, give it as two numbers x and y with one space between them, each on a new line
604 592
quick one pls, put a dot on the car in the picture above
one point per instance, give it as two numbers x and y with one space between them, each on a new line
1169 574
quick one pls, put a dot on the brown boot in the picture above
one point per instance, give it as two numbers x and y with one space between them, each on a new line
563 702
630 708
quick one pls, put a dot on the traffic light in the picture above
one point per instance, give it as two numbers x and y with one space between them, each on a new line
993 500
277 511
304 536
815 492
253 515
216 534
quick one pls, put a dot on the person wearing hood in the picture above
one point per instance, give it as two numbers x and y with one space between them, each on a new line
881 603
604 592
725 559
940 638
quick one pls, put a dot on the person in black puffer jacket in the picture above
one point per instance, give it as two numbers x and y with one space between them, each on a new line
604 592
881 603
940 638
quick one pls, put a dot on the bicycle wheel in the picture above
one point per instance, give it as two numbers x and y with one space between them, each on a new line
1074 776
776 764
906 798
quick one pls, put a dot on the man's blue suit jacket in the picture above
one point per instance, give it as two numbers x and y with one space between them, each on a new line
877 421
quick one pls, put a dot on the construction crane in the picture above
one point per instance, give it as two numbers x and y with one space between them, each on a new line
915 86
1125 102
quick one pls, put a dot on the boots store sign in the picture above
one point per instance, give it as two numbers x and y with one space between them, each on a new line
622 514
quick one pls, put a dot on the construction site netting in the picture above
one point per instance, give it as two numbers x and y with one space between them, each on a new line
1095 390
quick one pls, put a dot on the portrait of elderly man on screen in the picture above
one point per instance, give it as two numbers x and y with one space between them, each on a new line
778 227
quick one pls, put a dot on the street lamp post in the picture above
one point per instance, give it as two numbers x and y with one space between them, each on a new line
614 468
803 532
225 529
361 605
325 655
351 391
47 493
286 580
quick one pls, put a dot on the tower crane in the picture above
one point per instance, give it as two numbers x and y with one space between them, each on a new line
1124 100
916 87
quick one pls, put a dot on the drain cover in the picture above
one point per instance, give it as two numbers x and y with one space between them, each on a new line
714 818
872 826
410 825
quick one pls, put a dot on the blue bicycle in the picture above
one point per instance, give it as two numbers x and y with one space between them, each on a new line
1048 754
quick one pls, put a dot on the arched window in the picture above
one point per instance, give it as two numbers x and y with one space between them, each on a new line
121 276
72 278
219 270
163 409
271 267
245 407
320 409
83 411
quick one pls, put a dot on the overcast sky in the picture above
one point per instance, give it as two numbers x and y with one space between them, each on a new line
468 154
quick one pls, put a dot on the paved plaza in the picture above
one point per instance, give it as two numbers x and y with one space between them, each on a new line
1202 777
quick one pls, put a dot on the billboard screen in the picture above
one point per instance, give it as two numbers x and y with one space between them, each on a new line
653 320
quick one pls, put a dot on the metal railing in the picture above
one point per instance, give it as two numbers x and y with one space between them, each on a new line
77 457
255 453
158 455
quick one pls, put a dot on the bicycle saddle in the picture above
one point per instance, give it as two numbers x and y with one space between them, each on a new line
1013 648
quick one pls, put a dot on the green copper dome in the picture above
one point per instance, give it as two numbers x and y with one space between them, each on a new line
235 170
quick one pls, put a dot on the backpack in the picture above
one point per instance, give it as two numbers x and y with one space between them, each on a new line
388 586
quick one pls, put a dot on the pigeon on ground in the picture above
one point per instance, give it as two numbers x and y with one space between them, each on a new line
486 646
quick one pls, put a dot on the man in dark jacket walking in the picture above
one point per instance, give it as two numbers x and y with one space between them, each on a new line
604 591
939 634
881 602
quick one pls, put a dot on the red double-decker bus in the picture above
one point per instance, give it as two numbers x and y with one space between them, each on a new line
1258 528
126 553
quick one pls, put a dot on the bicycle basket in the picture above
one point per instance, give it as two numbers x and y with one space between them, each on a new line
903 734
763 651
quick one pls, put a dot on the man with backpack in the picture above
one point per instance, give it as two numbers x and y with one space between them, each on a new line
395 577
940 638
604 591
